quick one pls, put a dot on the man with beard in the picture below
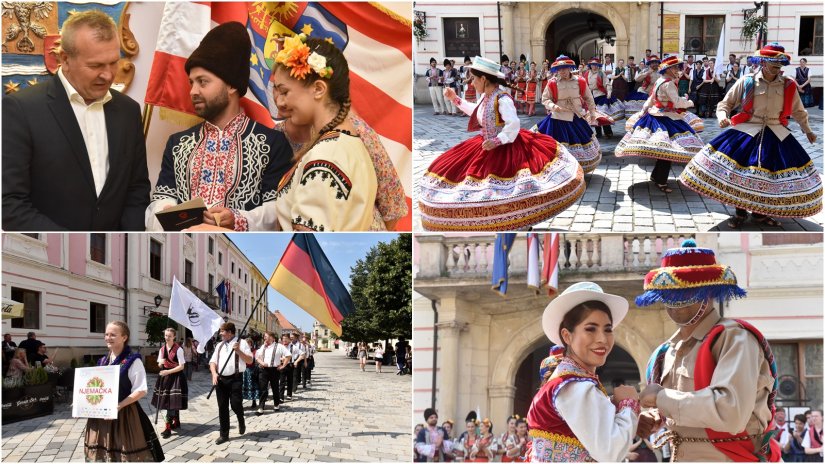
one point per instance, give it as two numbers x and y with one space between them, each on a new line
229 160
432 443
714 379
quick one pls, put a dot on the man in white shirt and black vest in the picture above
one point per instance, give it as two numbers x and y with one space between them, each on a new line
227 377
289 370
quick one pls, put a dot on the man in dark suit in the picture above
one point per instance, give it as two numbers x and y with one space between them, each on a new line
74 156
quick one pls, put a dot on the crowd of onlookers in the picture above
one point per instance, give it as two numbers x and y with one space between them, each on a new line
701 80
800 440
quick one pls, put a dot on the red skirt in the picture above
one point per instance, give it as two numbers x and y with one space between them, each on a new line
520 95
510 187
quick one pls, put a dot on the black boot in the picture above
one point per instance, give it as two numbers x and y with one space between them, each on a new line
608 131
598 132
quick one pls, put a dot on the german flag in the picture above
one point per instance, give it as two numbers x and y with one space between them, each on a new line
306 277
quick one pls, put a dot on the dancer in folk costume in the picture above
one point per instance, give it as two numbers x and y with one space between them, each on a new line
572 419
172 390
486 446
757 165
610 106
645 81
619 82
451 80
714 381
504 179
570 107
663 132
130 437
512 444
530 92
432 444
435 83
543 77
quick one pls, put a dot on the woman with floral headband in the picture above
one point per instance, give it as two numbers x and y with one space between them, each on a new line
509 440
486 446
506 178
390 199
333 184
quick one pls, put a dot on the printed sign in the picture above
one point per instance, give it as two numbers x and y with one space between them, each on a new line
95 392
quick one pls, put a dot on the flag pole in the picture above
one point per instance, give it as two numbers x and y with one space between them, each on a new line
147 118
251 315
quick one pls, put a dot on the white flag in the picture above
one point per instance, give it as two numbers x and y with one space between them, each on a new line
533 271
187 309
720 54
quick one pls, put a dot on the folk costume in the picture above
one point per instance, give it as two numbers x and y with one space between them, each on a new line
720 382
570 106
806 94
333 186
237 166
483 447
130 437
425 445
645 81
513 448
230 383
618 84
435 84
662 133
597 82
561 415
757 165
526 179
172 390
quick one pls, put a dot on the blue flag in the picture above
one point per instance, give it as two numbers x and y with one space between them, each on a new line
223 293
503 244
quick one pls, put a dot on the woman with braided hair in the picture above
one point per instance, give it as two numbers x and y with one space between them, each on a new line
333 184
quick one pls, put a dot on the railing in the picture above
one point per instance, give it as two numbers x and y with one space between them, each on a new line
472 256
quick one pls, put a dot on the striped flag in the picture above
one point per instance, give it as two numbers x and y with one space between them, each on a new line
501 254
550 263
533 263
305 276
375 41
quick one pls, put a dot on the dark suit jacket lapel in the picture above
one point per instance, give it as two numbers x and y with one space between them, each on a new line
66 119
117 156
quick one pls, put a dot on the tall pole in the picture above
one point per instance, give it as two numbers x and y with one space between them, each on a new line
500 42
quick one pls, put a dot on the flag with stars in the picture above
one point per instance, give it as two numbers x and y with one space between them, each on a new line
375 41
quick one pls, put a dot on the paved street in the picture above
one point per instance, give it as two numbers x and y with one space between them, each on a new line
346 415
619 197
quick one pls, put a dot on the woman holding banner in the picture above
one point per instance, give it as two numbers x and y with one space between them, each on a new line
131 436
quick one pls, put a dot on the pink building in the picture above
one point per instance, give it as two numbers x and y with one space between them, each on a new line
74 284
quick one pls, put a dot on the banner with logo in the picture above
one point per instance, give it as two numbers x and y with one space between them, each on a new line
95 392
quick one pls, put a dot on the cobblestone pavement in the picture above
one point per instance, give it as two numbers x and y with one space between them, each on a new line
619 196
345 415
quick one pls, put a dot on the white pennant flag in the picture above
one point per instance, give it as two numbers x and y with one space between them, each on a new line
187 309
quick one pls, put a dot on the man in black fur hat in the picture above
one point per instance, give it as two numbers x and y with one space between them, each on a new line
229 160
432 442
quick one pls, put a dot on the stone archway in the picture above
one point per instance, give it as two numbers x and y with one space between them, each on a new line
555 10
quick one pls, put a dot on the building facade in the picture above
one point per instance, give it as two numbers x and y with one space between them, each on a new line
543 30
323 337
475 350
72 285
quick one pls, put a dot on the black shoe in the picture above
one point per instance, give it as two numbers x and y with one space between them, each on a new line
242 427
221 440
166 433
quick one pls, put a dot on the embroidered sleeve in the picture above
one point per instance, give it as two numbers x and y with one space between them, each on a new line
390 197
336 190
511 122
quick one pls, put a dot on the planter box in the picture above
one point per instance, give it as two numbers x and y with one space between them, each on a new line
27 402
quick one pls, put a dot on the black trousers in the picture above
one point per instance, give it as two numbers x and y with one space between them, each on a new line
300 374
269 377
308 370
228 390
660 172
286 380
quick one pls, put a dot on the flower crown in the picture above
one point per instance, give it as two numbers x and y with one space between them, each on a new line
297 56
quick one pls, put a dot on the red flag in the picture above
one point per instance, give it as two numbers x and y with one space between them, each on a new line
550 263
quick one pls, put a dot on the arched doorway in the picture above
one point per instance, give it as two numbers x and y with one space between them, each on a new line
619 366
579 34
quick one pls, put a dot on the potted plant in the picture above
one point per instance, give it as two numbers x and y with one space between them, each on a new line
752 26
34 398
419 29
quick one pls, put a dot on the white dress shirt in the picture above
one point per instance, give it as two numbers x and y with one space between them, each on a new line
92 122
506 108
225 350
271 355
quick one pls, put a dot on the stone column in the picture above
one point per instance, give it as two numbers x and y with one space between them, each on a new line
449 333
645 23
502 398
508 31
537 50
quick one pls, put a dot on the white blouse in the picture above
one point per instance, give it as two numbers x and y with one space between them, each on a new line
606 435
506 108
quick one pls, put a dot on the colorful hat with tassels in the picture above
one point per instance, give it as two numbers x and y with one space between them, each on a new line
550 363
669 62
596 61
689 274
563 61
652 59
773 53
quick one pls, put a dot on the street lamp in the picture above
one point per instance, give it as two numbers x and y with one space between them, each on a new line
158 301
